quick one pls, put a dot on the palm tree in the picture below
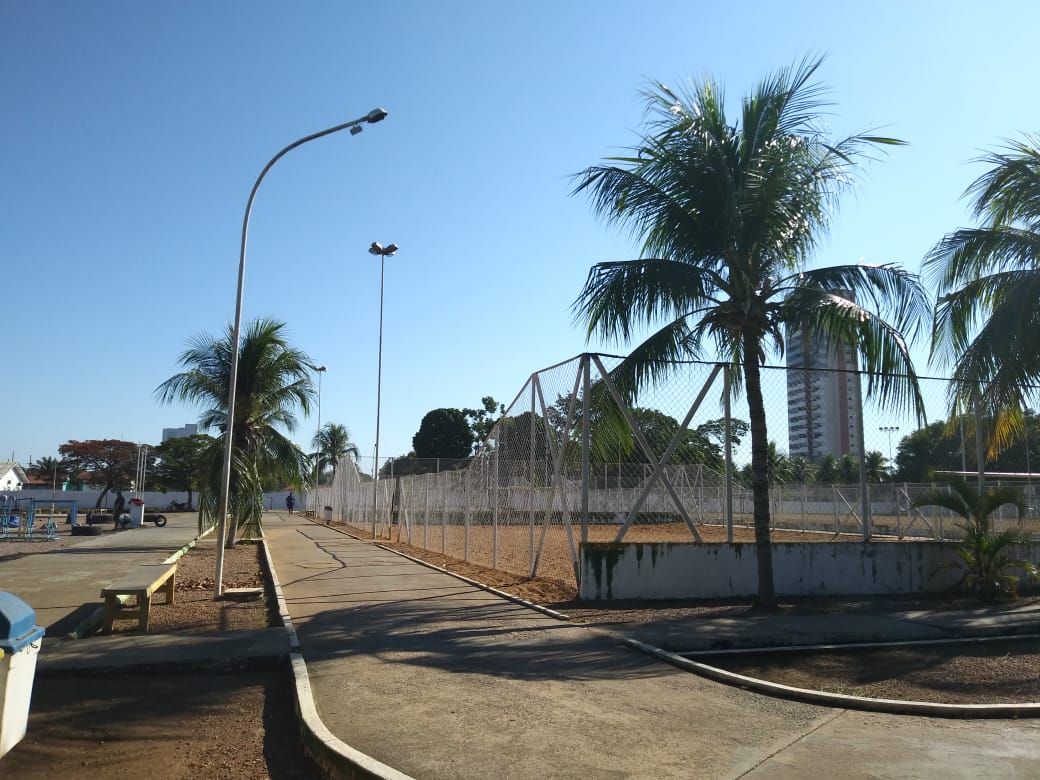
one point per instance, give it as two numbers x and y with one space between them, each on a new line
876 466
802 470
988 281
827 470
333 443
49 468
984 554
729 213
273 380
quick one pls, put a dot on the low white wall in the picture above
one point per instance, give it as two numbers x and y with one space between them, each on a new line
692 570
153 499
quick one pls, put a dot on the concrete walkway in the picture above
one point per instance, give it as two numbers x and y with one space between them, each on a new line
440 679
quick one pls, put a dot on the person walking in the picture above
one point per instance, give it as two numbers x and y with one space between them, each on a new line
290 502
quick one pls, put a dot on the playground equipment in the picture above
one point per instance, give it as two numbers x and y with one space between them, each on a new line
14 510
8 519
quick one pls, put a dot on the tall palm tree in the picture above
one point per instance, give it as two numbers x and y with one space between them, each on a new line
988 281
876 465
729 213
331 444
273 381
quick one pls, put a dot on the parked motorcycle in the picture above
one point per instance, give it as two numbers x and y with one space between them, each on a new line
180 506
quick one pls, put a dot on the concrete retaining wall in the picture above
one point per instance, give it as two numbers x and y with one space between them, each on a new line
692 570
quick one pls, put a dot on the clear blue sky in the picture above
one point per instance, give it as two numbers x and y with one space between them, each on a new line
132 132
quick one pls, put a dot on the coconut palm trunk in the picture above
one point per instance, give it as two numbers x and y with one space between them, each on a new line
759 472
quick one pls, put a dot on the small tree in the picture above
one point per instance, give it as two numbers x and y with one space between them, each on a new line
985 555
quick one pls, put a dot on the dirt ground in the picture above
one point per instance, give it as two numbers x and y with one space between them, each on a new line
241 724
511 547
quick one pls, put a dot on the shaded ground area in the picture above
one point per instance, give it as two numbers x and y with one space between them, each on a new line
237 725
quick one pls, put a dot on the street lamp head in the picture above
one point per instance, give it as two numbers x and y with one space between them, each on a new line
375 115
391 249
379 249
320 368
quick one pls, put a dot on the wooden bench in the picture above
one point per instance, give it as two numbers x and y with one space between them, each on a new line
139 584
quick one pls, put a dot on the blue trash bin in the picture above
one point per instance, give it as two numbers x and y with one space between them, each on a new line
19 645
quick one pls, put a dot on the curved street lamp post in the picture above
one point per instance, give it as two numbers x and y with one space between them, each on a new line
373 116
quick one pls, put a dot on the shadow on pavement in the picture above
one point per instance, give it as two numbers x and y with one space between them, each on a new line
496 639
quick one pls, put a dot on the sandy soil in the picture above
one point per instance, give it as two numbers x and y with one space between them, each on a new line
510 548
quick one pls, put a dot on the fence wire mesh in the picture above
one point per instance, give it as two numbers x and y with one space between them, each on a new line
571 461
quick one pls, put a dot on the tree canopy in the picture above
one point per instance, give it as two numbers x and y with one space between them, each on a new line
443 433
183 463
987 314
103 463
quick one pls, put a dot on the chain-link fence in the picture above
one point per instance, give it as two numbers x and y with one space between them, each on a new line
573 459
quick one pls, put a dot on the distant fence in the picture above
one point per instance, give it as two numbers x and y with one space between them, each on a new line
572 461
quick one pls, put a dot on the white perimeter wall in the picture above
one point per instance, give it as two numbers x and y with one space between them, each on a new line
691 570
154 500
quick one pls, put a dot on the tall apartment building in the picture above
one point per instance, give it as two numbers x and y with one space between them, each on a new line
823 398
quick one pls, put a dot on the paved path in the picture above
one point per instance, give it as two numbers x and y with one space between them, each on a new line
440 679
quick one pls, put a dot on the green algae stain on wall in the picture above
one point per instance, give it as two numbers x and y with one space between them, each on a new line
603 559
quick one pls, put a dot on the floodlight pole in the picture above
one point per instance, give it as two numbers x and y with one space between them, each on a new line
889 429
376 115
384 252
317 454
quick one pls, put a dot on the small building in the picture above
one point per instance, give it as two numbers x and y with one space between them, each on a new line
12 476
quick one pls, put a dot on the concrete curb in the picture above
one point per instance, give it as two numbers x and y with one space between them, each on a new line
334 755
891 706
184 550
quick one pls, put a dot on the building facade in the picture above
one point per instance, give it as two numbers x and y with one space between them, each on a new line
180 433
823 398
